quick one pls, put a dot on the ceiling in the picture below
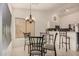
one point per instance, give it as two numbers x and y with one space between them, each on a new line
35 6
42 6
60 8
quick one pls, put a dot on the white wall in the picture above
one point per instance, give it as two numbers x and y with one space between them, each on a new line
40 17
70 19
64 18
51 15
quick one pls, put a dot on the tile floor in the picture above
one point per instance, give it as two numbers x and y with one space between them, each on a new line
16 48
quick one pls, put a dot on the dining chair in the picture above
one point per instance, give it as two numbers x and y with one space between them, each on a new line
26 35
36 45
52 47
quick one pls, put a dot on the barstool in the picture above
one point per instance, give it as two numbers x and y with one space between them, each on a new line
52 46
63 37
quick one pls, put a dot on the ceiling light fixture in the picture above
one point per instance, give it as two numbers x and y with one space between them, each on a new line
30 23
30 16
67 10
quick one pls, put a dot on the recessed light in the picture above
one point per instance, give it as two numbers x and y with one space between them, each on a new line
67 10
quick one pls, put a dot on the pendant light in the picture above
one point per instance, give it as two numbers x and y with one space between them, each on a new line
30 16
30 24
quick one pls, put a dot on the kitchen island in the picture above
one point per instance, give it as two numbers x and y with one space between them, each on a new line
71 34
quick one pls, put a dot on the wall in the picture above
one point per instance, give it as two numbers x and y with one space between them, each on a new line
70 19
64 18
40 17
51 20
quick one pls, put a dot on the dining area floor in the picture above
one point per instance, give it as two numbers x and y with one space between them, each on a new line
16 48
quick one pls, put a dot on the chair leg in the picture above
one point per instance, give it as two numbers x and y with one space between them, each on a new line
24 46
41 53
45 51
66 44
30 54
55 53
62 42
55 50
69 43
59 42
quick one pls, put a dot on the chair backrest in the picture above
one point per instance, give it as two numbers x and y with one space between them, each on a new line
36 43
26 35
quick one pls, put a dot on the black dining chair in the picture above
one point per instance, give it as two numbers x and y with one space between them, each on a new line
52 47
36 45
26 35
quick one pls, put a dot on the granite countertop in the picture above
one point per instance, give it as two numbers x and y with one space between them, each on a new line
54 29
61 29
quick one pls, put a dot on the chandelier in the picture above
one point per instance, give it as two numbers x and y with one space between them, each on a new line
30 24
30 16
